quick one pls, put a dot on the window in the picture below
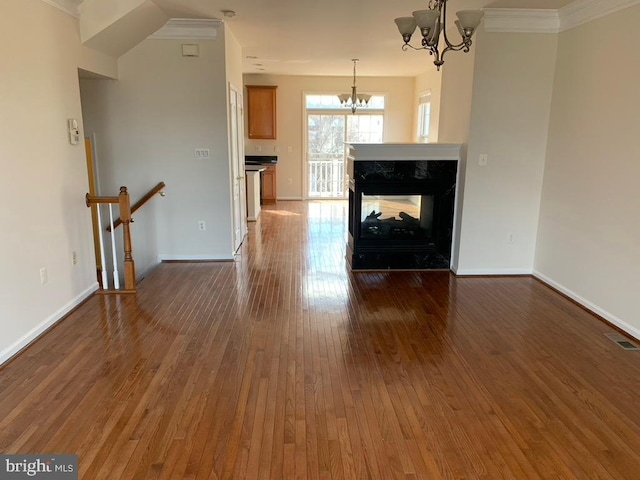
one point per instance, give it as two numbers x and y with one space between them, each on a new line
424 117
330 126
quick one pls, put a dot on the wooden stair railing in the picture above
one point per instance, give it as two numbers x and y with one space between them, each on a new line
136 206
124 202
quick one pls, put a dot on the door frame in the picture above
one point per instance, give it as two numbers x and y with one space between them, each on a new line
237 173
93 191
306 152
305 136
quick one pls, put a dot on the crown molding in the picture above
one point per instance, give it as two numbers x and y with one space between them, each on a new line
521 20
65 6
582 11
189 29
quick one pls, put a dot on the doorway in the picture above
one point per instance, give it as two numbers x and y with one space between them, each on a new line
329 128
236 142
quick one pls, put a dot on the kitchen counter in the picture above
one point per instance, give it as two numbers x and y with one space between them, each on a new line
252 173
260 159
255 168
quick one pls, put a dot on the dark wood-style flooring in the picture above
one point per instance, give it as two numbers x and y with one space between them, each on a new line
285 365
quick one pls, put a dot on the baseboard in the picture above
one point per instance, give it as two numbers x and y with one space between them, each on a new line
609 317
289 198
31 336
194 258
462 272
140 276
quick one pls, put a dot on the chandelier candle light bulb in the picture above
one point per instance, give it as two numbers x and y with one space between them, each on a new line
431 23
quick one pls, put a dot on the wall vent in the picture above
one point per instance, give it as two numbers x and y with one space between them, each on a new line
622 341
190 50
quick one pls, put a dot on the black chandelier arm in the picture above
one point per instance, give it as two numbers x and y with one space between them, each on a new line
353 100
464 46
408 46
435 38
428 48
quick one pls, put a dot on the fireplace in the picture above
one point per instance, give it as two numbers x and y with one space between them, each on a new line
401 210
397 218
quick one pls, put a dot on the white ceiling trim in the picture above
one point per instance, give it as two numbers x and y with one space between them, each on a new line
189 29
67 8
521 20
582 11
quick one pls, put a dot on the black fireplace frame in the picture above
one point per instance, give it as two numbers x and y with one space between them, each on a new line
402 177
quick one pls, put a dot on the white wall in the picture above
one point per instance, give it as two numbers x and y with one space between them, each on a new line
510 113
455 98
114 27
398 127
430 80
148 124
233 59
44 177
457 76
589 234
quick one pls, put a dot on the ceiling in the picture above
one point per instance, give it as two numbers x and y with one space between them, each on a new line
310 37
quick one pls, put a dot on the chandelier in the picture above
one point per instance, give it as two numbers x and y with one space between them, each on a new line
354 99
432 23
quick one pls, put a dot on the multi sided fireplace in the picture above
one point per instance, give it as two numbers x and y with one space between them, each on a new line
401 208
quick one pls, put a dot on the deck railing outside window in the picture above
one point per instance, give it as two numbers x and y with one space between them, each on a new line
326 176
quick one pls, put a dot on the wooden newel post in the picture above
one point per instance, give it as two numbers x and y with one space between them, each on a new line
125 216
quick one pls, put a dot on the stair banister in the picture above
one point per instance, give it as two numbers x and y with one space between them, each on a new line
136 206
123 201
125 216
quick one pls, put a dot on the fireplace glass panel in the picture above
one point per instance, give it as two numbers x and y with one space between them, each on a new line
397 217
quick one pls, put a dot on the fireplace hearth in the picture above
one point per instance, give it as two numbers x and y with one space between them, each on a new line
401 211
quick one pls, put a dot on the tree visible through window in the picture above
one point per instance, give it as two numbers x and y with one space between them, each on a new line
424 117
364 128
329 128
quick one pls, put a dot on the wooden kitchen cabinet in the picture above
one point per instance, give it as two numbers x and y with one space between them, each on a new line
269 185
262 112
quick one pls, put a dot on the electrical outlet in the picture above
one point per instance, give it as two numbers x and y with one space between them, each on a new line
74 258
289 149
276 149
482 159
44 276
258 148
202 225
290 181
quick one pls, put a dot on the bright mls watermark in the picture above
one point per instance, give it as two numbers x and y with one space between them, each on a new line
50 467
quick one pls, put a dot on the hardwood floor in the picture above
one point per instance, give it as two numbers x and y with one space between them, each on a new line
285 365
